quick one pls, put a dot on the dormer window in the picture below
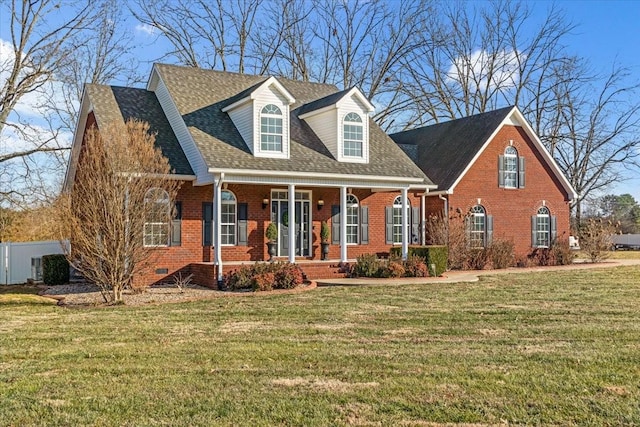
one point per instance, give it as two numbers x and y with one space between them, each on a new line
271 128
353 135
341 121
262 119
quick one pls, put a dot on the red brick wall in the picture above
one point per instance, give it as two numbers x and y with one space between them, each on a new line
511 208
191 250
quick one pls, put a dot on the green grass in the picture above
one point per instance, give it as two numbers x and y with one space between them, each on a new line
552 348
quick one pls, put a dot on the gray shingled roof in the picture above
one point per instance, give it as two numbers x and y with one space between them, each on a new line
200 95
444 150
113 103
322 102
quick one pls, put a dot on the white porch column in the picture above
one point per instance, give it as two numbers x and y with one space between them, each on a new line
405 225
343 224
217 227
292 223
423 219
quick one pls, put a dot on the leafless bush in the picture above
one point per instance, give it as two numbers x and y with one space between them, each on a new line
595 238
181 282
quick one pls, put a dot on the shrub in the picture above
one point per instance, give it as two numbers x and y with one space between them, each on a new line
271 232
288 276
238 279
542 257
476 259
415 266
434 257
501 253
325 232
394 269
263 281
367 265
562 252
55 269
595 238
264 277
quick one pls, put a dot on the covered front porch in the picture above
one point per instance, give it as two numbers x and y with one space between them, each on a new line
365 214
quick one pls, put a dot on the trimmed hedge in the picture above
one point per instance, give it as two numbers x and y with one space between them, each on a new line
55 269
435 257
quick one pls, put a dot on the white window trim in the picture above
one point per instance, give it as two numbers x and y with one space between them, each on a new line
475 212
286 147
355 205
235 219
342 114
163 199
547 217
513 157
397 204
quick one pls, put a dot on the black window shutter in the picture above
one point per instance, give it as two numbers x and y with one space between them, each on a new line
501 171
533 231
388 221
521 172
335 224
243 220
207 223
364 225
489 229
176 225
414 237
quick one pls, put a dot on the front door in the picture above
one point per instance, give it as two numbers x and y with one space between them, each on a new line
302 226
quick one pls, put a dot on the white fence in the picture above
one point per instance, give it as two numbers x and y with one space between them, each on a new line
16 265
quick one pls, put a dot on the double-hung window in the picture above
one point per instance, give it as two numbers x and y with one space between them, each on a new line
511 169
353 135
157 216
271 128
228 218
353 215
477 227
542 228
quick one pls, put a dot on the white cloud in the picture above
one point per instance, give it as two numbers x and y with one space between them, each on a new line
482 70
146 29
36 104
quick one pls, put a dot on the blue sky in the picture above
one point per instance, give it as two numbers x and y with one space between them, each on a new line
608 31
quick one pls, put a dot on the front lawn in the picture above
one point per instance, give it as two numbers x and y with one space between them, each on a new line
550 348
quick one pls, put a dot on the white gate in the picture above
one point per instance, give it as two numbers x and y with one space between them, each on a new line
16 259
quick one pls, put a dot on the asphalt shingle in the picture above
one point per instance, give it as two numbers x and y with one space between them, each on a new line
114 103
444 150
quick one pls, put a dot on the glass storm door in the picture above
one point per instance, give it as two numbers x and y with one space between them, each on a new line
302 226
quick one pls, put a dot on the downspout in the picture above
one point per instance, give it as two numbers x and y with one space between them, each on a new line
446 206
217 230
423 219
446 213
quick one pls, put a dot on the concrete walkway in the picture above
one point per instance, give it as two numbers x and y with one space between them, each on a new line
473 275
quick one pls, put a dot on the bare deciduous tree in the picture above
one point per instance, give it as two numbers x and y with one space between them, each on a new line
119 207
35 53
203 33
594 132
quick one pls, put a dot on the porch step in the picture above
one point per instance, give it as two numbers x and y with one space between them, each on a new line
322 271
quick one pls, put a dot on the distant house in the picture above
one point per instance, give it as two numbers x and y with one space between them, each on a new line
493 168
251 150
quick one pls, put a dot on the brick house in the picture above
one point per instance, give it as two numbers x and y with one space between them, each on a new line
251 150
493 168
254 150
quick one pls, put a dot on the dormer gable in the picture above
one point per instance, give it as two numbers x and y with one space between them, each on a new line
341 121
261 115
